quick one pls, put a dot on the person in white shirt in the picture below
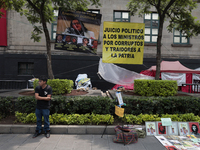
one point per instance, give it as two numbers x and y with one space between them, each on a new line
78 28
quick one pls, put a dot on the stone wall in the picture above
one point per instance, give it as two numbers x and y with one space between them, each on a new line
19 34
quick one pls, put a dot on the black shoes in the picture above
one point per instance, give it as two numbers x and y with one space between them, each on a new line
47 134
36 134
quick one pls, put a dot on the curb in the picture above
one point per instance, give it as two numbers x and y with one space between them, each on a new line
57 129
60 129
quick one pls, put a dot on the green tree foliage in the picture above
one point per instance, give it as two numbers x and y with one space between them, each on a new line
5 4
40 12
177 12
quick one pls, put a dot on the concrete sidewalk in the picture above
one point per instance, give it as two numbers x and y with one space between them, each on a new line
69 137
73 142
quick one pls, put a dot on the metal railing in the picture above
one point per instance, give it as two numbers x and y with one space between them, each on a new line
192 87
13 84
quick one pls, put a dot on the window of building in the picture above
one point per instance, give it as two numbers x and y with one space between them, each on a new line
25 68
180 38
121 16
54 25
151 27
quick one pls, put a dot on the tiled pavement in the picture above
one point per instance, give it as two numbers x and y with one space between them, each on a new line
73 142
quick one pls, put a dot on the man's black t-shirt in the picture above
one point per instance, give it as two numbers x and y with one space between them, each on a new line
43 104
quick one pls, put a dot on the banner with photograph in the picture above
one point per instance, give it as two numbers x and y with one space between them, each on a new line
77 31
123 42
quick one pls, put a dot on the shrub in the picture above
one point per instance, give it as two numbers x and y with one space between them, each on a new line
96 119
26 104
82 105
69 105
35 83
155 87
105 105
20 117
6 106
162 105
140 119
71 119
59 86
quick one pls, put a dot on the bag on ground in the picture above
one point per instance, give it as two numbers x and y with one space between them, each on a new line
82 81
125 135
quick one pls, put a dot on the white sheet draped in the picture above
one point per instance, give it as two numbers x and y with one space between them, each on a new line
118 75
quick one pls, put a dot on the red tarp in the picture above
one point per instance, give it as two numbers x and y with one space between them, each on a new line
127 87
173 67
3 29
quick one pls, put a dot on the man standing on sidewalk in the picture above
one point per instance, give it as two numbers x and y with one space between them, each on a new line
43 95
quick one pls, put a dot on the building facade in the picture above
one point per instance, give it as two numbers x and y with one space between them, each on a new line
22 58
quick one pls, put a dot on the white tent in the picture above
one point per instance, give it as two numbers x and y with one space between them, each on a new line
197 68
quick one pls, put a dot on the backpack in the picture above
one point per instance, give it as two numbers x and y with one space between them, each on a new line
125 135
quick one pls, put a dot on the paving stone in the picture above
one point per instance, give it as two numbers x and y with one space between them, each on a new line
20 129
5 128
95 129
59 129
76 129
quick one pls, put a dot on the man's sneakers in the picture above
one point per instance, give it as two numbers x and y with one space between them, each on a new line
47 134
36 134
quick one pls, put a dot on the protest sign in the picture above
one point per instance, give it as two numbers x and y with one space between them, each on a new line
119 111
123 42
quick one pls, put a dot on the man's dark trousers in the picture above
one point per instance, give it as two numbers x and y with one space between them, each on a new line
45 113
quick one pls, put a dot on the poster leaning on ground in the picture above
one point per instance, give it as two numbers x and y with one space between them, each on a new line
194 128
161 130
183 128
150 128
173 129
77 31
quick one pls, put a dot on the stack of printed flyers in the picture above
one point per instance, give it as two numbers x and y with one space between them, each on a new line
177 136
173 142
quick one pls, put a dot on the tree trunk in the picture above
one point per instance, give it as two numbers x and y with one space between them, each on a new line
48 46
158 55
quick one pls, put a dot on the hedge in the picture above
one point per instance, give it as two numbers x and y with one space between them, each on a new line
96 119
155 87
59 86
104 105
